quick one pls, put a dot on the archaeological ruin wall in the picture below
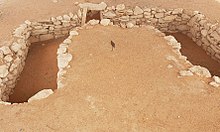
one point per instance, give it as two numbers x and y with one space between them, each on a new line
192 23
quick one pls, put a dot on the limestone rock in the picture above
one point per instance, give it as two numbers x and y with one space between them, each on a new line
67 41
214 84
8 58
169 18
74 33
129 12
4 103
109 14
130 25
124 18
146 9
15 47
138 10
173 42
177 11
41 31
3 71
60 84
91 6
105 22
183 27
63 60
216 79
27 22
46 37
215 35
204 32
120 7
76 3
159 15
185 73
20 30
93 22
41 95
59 18
66 18
200 71
170 66
6 50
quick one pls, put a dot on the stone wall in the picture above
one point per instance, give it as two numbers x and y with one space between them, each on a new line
192 23
13 55
56 27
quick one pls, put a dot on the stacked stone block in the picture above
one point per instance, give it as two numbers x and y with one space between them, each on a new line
13 55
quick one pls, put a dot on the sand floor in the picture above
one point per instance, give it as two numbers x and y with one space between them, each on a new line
40 71
129 89
16 12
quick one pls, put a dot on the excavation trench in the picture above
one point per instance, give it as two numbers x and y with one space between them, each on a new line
40 71
195 54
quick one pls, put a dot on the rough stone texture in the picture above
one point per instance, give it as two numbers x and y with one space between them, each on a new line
3 71
105 22
186 73
93 22
216 79
138 10
200 71
214 84
120 7
195 25
91 6
41 95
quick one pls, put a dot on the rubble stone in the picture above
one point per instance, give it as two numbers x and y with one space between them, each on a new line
91 6
120 7
185 73
93 22
138 10
3 71
105 22
41 95
200 71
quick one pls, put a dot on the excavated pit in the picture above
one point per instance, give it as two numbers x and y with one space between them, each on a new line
195 54
40 71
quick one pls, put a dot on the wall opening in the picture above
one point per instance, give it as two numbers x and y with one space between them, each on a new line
195 54
91 14
40 71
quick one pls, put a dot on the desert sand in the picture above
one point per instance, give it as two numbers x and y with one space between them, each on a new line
128 89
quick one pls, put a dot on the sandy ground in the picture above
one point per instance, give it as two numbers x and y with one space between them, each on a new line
16 12
40 71
129 89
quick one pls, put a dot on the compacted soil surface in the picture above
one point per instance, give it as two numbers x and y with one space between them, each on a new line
15 12
128 89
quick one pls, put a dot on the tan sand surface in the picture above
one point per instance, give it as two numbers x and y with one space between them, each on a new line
128 89
15 12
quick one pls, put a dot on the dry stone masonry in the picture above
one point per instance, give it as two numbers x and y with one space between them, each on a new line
192 23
